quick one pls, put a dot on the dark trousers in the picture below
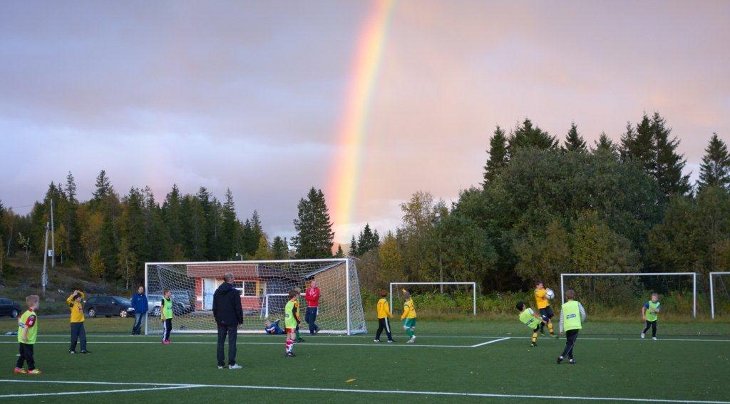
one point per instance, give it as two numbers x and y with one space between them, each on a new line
570 337
651 324
78 332
232 333
310 317
166 329
137 328
383 324
26 355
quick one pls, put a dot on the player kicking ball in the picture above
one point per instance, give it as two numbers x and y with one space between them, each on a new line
529 318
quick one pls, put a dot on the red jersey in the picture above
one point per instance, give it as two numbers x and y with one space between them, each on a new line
312 297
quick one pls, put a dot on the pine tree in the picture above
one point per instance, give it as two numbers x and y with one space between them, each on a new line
103 187
340 253
314 229
528 135
353 247
367 240
280 249
172 216
71 189
669 164
497 155
715 167
229 233
639 145
574 141
604 145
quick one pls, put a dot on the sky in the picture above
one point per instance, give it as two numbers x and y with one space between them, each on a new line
370 101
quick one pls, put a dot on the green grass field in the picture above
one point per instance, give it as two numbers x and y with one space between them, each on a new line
470 360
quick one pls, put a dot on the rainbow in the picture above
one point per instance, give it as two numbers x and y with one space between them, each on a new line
345 175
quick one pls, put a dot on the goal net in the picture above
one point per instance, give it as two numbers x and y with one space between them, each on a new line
719 293
264 287
437 297
623 294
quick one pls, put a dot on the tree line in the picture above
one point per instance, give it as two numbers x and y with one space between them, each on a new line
545 206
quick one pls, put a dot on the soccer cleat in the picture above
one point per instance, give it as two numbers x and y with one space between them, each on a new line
572 361
85 352
533 344
235 366
166 342
20 371
412 340
643 335
654 338
71 351
289 354
34 372
316 331
390 341
560 359
220 366
376 340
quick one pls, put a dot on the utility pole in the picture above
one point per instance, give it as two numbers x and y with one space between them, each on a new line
44 276
53 239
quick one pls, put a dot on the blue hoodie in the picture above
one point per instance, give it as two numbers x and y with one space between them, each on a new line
139 302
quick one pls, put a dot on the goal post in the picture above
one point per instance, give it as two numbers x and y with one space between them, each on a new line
712 291
638 274
264 287
472 284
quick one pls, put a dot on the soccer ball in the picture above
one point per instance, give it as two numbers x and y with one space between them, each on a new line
549 294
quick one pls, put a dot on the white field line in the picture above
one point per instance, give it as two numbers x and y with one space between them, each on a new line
363 391
490 342
244 343
74 393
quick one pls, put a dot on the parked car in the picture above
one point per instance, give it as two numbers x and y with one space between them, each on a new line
180 304
108 306
9 308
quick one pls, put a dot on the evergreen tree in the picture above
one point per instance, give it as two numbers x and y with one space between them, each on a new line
172 217
604 145
340 253
353 247
280 249
71 189
639 145
194 228
229 228
103 187
668 164
314 229
367 240
68 219
263 252
574 141
528 135
715 167
497 155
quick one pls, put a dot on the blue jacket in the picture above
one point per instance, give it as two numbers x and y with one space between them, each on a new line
139 302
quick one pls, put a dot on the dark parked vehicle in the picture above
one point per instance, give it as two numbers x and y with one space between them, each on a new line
9 308
178 307
108 306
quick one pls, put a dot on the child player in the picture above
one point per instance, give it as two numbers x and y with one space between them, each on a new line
166 314
273 328
649 314
291 320
383 317
409 317
27 333
78 331
543 305
572 316
530 319
296 307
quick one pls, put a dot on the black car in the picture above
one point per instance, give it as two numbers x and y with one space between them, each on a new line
9 308
108 306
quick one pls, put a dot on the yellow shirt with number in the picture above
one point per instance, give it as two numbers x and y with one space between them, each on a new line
383 308
409 310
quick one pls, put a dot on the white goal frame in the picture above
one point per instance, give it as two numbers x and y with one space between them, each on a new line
473 288
692 274
712 292
349 265
265 312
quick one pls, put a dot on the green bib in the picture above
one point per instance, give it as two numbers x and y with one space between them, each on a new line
289 320
527 317
167 308
651 314
32 331
571 316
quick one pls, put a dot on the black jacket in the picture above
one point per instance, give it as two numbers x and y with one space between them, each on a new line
227 308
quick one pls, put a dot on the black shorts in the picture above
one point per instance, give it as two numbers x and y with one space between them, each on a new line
547 313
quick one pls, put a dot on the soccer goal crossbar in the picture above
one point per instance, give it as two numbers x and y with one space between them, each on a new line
692 274
712 291
472 284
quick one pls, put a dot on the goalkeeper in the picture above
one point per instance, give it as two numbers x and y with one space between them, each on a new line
530 319
543 305
273 328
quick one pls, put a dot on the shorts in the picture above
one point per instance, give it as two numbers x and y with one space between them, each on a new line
409 323
290 330
547 313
